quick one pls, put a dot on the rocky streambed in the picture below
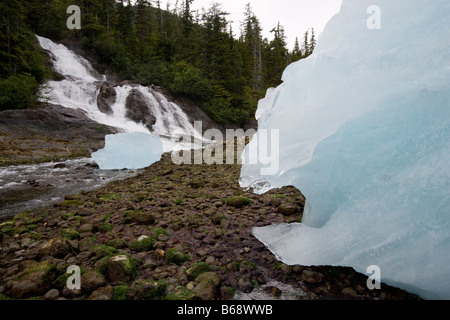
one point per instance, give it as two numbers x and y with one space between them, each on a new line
170 232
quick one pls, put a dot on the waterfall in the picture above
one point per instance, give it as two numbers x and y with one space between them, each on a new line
81 87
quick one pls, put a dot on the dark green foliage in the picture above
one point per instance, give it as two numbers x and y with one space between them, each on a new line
18 92
194 55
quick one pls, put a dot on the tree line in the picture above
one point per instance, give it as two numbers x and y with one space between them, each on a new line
191 53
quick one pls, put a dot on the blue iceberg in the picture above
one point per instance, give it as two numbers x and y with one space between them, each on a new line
135 150
364 128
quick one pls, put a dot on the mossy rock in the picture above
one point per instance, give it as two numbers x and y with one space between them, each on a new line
238 202
181 293
149 289
138 217
7 227
176 257
56 247
35 280
197 269
121 292
33 221
158 231
102 251
117 243
70 234
105 227
120 269
145 244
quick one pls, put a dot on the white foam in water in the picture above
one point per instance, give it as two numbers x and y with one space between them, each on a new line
365 135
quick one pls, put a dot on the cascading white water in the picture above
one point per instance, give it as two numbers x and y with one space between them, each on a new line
80 89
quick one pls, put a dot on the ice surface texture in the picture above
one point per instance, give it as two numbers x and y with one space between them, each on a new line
135 150
365 135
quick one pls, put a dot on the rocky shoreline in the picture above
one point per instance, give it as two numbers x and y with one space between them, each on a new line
171 232
48 133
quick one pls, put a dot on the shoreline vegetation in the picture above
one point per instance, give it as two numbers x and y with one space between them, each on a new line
173 232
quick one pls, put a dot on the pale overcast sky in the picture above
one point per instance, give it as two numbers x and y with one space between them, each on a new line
296 16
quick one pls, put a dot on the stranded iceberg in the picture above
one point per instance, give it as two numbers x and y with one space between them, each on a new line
364 129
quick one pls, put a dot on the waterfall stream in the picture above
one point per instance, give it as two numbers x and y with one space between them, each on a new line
29 186
81 87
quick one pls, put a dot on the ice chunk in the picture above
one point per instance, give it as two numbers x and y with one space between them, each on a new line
365 135
135 150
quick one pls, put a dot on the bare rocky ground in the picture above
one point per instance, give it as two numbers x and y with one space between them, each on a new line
48 133
172 232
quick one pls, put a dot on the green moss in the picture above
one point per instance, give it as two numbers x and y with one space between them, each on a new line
34 235
158 231
121 292
238 201
180 293
70 234
8 226
61 281
197 269
105 227
176 257
128 266
33 221
117 243
5 297
279 196
68 203
230 290
149 289
178 202
109 197
146 244
45 268
102 251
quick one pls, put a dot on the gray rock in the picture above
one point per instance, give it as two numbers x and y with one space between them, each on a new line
106 98
138 110
103 293
52 294
287 209
11 247
87 227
